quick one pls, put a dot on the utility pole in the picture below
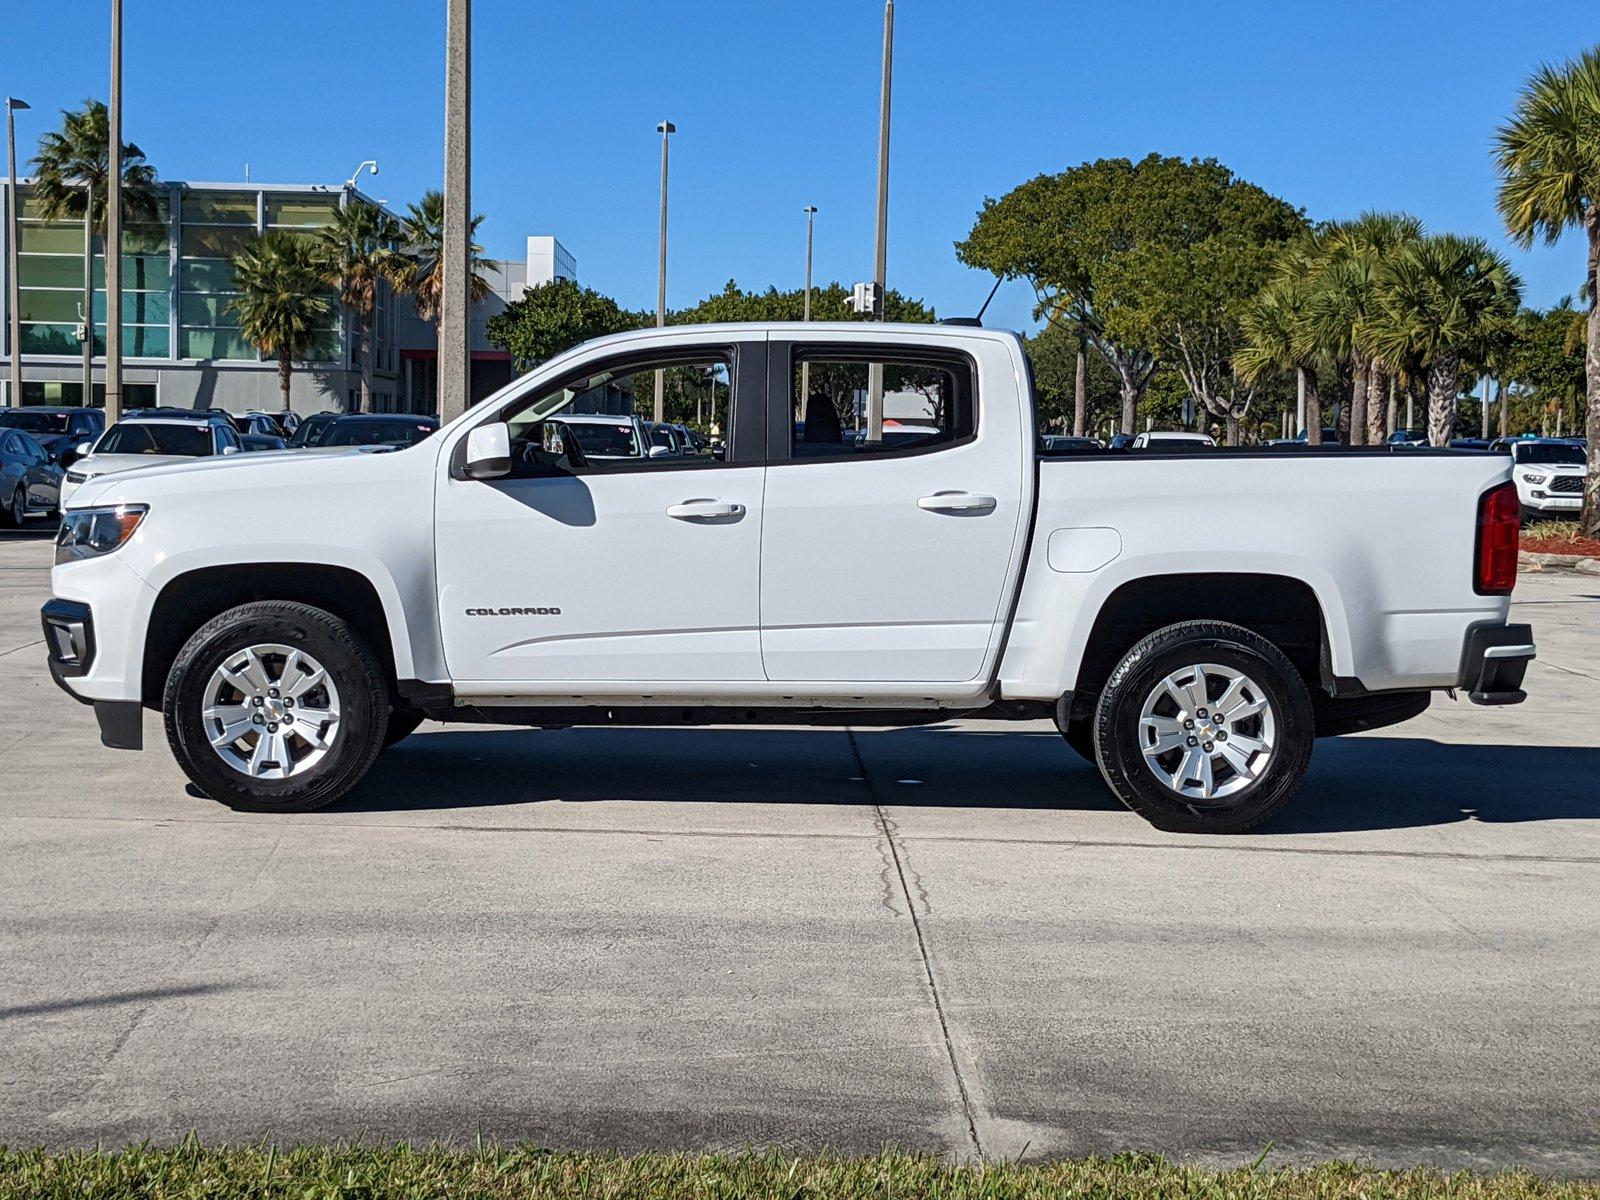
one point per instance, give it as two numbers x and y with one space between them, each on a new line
14 296
805 367
455 307
114 226
880 268
666 129
1484 432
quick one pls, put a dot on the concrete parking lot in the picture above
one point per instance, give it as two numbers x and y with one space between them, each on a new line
947 939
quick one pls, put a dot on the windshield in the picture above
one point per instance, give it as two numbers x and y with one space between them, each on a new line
143 437
374 433
1548 452
606 441
34 422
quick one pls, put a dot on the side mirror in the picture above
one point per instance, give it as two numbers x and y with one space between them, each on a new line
231 449
660 451
83 449
489 451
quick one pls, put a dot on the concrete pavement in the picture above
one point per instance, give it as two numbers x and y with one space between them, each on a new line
948 939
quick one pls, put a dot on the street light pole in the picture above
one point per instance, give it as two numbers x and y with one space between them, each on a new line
880 267
805 367
455 307
14 295
666 129
113 247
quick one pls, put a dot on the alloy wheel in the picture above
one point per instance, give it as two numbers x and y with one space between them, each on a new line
1207 732
270 711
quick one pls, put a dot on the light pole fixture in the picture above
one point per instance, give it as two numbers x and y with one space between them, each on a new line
367 164
455 258
805 367
666 129
113 247
880 267
13 298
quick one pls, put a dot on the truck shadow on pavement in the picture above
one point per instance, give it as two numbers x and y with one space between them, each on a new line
1359 783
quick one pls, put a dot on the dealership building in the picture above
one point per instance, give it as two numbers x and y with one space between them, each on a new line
181 345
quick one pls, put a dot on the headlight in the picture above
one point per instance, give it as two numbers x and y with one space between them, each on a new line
1531 477
77 477
90 532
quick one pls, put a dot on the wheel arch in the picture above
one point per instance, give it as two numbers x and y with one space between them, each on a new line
188 600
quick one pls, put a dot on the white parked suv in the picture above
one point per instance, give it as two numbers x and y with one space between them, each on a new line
1162 439
497 573
150 441
1549 475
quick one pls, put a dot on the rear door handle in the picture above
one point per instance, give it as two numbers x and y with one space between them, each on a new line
705 510
956 502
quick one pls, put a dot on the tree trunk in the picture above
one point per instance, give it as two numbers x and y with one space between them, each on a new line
1080 395
366 362
284 368
1589 518
1233 430
1353 422
1377 403
1313 408
1392 412
1444 393
88 311
1130 405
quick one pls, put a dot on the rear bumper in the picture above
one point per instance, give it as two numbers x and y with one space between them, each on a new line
1493 662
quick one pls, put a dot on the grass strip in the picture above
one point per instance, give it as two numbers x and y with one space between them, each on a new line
357 1172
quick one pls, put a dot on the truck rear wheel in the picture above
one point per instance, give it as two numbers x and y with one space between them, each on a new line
276 707
1204 727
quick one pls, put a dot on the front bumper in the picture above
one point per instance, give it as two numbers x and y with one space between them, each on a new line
69 635
1493 662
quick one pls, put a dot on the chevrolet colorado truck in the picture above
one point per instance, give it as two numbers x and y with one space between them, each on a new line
1191 619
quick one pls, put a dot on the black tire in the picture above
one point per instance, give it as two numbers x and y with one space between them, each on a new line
1117 736
16 512
403 723
350 664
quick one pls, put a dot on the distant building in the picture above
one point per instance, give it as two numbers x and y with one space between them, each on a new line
182 347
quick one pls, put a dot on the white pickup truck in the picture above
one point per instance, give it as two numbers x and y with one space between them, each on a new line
1190 619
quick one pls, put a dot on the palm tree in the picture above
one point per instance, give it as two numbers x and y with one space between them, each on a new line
281 305
71 176
360 246
1278 336
1549 158
1444 302
424 245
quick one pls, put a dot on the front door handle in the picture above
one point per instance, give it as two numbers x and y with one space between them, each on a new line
705 510
956 502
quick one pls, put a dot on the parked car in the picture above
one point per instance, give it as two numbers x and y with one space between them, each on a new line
1409 437
1330 436
288 421
1160 439
147 441
57 429
30 478
1057 443
665 440
310 429
1471 443
1120 441
255 443
257 423
608 439
393 430
1549 475
496 577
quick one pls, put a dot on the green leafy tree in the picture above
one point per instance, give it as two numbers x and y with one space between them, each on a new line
361 249
423 229
1095 239
556 316
282 306
1443 302
1057 352
1549 159
71 182
1542 366
1275 329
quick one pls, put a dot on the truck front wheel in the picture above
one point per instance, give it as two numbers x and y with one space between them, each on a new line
276 707
1204 727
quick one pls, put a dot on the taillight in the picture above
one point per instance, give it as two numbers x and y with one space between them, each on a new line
1494 571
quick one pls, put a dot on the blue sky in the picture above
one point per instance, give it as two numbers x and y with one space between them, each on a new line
1335 106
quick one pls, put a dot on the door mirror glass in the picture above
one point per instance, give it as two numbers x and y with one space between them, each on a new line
230 449
489 451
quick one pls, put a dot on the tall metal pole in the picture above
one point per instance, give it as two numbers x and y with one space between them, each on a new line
880 268
1484 432
455 307
805 367
113 248
666 129
14 295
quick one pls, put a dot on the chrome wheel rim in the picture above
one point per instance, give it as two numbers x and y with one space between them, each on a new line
1207 732
270 711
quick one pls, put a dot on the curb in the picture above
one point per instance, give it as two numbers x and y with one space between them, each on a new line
1530 561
